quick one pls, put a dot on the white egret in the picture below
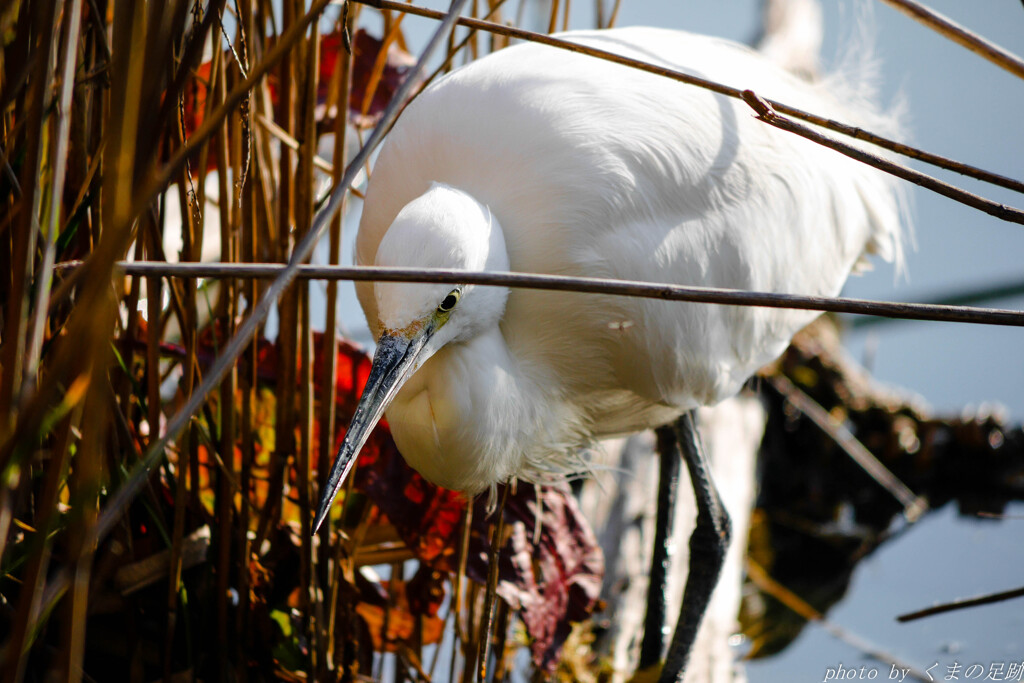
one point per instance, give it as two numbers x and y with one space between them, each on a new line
540 160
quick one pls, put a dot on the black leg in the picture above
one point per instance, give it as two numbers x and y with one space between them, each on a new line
657 588
708 544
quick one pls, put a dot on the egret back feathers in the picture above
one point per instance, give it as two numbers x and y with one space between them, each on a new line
537 160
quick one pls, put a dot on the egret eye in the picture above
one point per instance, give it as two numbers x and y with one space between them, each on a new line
449 301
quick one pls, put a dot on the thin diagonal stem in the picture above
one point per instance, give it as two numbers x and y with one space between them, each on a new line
942 24
766 113
114 509
845 129
913 505
59 163
962 604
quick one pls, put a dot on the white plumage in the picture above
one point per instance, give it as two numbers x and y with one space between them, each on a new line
539 160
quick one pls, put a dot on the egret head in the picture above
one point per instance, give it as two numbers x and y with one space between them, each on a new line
443 228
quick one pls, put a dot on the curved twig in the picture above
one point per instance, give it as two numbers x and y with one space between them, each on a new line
836 126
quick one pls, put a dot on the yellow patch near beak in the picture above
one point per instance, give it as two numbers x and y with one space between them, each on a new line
409 332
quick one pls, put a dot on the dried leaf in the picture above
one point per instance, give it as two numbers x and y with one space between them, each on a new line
365 49
401 622
552 583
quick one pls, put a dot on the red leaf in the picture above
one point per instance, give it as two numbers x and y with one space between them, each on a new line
552 583
365 49
427 517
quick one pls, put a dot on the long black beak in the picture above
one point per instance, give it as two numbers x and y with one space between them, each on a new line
393 362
